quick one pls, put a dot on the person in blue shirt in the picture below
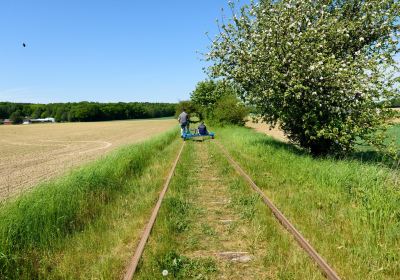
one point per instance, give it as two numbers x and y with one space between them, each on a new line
202 129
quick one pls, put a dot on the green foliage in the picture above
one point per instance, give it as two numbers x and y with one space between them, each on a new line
318 68
207 94
178 221
181 267
188 106
395 102
229 110
16 117
88 111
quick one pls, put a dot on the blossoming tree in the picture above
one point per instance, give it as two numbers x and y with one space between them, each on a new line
321 69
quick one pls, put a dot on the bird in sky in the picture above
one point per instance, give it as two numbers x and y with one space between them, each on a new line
24 45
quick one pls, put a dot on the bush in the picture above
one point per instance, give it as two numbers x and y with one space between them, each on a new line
193 111
229 110
16 117
208 93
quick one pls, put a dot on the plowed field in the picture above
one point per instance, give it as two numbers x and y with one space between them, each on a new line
30 154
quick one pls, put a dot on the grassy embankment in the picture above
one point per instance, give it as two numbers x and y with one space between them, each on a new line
210 211
348 209
394 133
85 225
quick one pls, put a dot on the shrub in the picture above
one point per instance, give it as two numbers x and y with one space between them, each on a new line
188 106
16 117
229 110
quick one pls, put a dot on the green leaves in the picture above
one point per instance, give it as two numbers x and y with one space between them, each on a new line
325 67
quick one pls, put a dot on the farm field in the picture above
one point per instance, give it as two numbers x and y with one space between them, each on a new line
30 154
265 128
347 209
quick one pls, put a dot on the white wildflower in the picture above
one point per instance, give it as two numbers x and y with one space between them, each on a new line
362 39
165 272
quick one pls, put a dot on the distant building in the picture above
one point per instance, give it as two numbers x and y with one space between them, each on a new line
7 122
45 120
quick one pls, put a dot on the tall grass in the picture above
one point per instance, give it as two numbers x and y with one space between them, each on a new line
53 211
348 209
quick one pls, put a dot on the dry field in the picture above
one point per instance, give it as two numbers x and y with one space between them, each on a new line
265 128
278 134
30 154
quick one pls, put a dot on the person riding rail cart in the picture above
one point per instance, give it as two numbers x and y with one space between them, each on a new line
202 129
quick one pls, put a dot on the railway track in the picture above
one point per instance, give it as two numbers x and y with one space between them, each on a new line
324 267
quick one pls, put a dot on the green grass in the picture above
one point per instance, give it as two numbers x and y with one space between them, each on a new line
348 209
366 153
89 219
86 225
174 219
188 233
394 133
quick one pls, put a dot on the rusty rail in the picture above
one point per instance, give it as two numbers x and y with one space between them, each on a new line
322 264
146 233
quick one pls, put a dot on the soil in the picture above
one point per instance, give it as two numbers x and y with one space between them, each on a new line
30 154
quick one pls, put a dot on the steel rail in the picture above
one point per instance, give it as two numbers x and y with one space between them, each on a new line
322 264
146 233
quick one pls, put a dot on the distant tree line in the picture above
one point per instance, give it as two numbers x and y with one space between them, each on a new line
85 111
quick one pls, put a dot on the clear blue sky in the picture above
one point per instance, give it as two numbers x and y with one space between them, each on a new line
103 50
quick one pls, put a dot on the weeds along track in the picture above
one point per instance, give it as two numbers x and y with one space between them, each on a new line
323 266
145 236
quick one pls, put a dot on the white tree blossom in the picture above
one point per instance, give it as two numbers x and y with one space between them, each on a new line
319 68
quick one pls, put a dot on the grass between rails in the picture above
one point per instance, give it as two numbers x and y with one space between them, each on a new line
349 210
210 211
84 225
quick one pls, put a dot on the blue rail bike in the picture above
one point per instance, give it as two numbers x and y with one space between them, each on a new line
195 135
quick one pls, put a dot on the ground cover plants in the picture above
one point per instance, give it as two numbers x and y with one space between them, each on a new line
348 209
210 212
98 209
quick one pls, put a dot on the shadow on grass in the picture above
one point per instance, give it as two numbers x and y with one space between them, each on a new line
362 155
374 157
279 145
